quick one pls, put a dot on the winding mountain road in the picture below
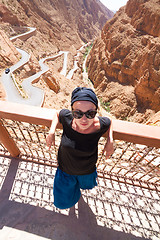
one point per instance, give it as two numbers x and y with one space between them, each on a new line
35 95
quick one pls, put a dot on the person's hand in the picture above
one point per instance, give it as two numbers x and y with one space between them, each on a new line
108 149
50 139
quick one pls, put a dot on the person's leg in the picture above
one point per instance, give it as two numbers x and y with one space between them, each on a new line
87 181
66 190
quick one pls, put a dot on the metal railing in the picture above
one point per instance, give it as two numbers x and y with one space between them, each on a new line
135 161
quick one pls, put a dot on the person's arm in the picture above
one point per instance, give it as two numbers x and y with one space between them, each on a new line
51 136
108 148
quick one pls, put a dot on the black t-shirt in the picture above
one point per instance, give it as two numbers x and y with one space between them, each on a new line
78 152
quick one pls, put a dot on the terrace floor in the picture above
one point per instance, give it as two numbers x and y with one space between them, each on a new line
111 211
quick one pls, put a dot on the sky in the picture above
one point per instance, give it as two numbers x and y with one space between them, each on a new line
114 4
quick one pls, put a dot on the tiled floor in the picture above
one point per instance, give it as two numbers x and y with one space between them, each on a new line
110 211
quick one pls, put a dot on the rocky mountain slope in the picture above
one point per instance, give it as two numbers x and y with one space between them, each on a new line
124 63
60 24
8 56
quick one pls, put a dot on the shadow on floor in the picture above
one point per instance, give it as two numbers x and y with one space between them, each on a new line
79 224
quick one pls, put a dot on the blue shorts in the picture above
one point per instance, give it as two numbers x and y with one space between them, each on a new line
66 188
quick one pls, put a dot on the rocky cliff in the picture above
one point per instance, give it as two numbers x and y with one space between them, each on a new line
8 56
60 24
124 63
8 53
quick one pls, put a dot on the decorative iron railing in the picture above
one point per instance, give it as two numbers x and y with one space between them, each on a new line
135 161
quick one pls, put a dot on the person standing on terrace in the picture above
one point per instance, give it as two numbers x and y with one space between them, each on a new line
78 150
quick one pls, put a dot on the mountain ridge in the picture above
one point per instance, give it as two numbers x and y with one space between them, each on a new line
61 22
124 62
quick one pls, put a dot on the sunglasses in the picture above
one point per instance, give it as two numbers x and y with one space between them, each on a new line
79 114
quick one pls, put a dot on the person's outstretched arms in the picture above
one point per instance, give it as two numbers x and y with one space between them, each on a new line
108 148
50 140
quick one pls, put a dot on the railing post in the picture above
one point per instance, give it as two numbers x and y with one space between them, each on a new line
8 142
